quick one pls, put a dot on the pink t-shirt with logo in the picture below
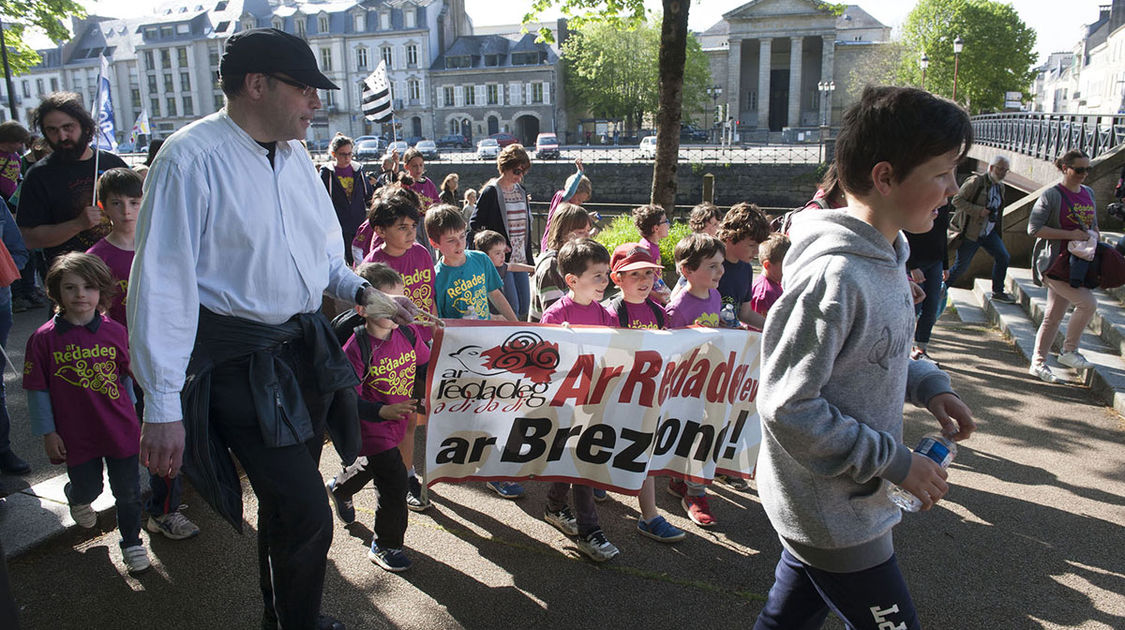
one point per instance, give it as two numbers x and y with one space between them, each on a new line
568 311
685 310
643 316
1077 209
119 261
389 379
361 244
84 374
417 269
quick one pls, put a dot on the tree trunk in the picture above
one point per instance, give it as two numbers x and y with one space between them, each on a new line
673 57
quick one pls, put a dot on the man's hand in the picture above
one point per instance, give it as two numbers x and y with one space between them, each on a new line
926 480
954 415
162 448
398 411
89 217
56 450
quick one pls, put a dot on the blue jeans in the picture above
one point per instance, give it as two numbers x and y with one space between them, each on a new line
517 290
994 245
5 328
124 481
927 310
1078 269
872 599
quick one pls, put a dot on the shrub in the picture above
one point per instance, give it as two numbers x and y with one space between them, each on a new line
621 230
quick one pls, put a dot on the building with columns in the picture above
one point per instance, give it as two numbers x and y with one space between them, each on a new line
769 56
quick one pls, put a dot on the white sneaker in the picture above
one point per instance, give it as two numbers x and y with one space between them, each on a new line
136 559
596 547
1074 360
82 513
173 525
1043 372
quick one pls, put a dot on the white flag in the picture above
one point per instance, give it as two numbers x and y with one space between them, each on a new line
140 127
377 95
106 135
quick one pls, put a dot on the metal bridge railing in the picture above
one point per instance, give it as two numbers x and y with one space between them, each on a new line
1047 136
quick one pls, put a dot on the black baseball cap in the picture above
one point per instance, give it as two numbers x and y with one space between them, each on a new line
268 50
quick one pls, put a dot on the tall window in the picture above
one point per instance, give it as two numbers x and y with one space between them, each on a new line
536 92
150 61
154 106
278 23
322 24
26 89
185 82
361 58
152 84
300 22
54 84
39 87
411 18
385 21
168 85
326 98
213 53
448 94
387 55
171 103
493 94
326 59
415 89
411 55
135 95
470 95
189 107
181 57
165 58
360 22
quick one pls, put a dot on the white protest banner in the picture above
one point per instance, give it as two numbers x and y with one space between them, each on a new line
601 406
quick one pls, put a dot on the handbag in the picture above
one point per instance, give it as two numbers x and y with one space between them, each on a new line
9 272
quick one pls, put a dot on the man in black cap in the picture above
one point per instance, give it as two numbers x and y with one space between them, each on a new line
237 241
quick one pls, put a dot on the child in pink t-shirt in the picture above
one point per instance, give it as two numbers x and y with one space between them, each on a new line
390 361
119 195
80 398
653 224
767 287
584 266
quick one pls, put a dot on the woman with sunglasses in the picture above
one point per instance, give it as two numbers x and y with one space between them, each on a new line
503 207
347 187
1062 214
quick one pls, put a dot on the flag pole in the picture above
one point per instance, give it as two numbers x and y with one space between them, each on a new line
97 143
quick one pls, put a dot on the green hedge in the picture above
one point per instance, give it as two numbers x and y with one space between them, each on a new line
622 231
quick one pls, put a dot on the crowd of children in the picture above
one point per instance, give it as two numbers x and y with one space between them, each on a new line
831 394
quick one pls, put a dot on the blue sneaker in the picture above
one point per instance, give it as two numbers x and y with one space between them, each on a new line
344 507
661 530
600 495
507 489
393 560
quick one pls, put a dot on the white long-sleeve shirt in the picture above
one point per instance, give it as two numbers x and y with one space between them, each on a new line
220 228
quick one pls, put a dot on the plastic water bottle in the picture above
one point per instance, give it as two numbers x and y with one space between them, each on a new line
728 317
470 313
938 448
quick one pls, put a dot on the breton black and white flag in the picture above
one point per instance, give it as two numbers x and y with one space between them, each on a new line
377 95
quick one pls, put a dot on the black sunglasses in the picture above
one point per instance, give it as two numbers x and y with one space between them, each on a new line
1081 170
306 90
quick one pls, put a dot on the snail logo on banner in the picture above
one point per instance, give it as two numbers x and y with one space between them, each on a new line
586 405
106 136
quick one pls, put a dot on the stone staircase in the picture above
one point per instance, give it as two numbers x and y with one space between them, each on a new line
1103 341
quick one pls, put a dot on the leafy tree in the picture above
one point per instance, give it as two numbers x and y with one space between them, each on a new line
45 15
997 58
671 64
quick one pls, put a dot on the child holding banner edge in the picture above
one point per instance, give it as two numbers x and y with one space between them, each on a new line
584 265
837 367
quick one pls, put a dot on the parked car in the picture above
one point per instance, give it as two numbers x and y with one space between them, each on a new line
454 141
400 145
428 149
488 148
689 133
547 146
414 140
647 147
362 138
368 150
504 139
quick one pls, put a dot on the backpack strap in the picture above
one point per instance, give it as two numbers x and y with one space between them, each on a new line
364 342
408 332
617 304
657 312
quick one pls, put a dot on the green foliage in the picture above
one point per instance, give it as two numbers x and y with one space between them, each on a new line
622 231
999 50
622 15
45 15
614 73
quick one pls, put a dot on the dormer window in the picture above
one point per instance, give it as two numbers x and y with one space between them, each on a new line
411 18
492 60
279 24
385 21
360 22
322 24
301 24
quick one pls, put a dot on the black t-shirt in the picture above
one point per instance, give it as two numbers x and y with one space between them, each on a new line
736 288
55 191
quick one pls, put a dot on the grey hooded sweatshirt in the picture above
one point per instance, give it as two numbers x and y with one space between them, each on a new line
834 377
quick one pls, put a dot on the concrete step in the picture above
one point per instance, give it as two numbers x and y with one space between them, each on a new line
967 306
1020 322
1108 323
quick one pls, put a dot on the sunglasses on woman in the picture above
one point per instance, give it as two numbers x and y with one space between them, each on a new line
1080 170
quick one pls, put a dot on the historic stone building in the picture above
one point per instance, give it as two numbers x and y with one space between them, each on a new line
1088 79
769 56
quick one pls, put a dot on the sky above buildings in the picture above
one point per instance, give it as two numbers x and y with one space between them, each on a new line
1058 26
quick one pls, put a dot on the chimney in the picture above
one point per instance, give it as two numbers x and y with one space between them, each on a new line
1116 14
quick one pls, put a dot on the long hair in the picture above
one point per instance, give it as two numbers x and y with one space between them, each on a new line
70 104
86 266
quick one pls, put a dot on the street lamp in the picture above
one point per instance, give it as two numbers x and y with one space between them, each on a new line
925 63
715 91
826 88
958 46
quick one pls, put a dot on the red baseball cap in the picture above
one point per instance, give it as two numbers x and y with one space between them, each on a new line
631 257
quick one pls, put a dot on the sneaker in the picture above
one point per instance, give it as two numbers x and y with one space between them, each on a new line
597 547
136 559
661 530
345 509
677 488
734 483
1003 296
507 489
173 525
82 513
563 520
698 510
393 560
600 495
13 464
415 500
1074 360
1043 372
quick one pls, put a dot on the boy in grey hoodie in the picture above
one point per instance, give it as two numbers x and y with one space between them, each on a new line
837 369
